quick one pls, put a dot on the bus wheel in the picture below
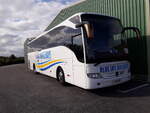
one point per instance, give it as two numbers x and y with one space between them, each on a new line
60 76
34 69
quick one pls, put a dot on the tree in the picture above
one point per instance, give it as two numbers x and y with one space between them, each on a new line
12 56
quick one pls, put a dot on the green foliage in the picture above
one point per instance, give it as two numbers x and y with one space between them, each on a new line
11 60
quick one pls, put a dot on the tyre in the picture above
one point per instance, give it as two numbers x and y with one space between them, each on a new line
60 76
34 69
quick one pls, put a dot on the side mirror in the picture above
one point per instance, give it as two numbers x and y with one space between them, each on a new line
79 25
135 29
88 28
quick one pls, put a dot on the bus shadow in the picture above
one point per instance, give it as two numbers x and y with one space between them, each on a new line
123 90
129 89
50 79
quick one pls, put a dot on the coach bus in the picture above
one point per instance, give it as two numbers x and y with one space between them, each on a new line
87 50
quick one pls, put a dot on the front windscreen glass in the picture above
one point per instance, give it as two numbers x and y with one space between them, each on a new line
107 43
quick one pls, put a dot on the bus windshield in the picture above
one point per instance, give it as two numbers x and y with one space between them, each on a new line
106 44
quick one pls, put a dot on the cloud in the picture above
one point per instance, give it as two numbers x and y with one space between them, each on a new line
24 19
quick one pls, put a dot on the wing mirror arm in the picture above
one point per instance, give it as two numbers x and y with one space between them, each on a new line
88 28
81 24
135 29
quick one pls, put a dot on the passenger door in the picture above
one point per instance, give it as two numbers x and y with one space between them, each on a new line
78 61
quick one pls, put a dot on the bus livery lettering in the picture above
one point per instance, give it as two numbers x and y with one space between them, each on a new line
112 68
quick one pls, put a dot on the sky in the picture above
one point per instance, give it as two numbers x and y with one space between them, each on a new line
22 19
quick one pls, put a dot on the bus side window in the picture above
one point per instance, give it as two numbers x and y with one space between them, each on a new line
73 40
67 33
77 40
75 20
77 46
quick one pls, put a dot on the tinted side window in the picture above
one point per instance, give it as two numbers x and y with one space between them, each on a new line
75 20
69 33
78 47
56 37
48 40
62 36
73 40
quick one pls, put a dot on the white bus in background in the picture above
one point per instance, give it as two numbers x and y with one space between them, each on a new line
87 50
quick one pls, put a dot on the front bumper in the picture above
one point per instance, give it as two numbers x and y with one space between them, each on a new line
101 83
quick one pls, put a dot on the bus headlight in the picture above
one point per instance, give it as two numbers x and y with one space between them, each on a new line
94 75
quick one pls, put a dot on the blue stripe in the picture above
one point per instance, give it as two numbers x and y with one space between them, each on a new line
43 62
43 69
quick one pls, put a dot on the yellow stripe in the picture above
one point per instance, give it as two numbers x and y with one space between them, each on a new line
44 65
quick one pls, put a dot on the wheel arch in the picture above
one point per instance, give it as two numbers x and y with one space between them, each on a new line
34 66
57 70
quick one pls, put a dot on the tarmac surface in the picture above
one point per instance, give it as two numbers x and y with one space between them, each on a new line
22 91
